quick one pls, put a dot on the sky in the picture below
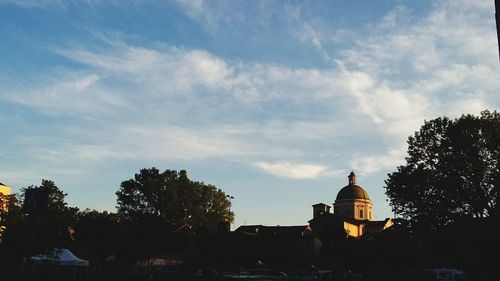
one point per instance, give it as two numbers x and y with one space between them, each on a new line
274 102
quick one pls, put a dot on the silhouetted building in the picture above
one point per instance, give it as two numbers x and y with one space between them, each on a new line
285 232
319 209
274 245
36 200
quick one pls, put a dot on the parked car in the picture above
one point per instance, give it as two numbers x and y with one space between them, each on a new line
448 274
301 276
350 276
249 277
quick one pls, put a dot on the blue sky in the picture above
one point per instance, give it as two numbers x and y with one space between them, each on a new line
275 102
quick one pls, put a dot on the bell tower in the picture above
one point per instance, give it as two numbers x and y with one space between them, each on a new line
319 209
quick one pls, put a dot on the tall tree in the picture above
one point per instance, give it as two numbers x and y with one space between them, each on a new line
25 235
173 197
452 171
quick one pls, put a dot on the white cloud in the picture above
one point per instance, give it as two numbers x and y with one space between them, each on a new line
170 70
292 170
73 94
14 177
408 71
307 33
195 5
170 76
176 103
213 14
368 164
34 3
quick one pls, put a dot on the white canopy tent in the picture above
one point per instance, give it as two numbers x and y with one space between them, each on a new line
59 264
63 257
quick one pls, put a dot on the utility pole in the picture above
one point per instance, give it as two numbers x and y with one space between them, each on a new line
497 17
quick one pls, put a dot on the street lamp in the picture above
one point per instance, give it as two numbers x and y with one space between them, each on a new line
230 202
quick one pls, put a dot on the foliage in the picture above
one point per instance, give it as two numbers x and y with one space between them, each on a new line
173 197
97 232
30 234
452 171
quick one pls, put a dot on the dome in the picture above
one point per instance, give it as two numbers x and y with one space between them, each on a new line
352 191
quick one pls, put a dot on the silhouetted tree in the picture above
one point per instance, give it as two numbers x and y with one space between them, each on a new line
97 232
452 171
26 235
10 256
49 228
173 197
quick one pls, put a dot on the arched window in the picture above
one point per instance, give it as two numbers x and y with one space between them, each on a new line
361 213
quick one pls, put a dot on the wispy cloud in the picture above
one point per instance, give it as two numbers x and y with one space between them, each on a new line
292 170
195 104
179 103
73 94
33 3
368 164
443 64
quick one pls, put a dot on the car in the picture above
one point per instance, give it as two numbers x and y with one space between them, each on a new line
249 277
447 274
301 276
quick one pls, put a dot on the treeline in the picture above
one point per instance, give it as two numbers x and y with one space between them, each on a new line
158 213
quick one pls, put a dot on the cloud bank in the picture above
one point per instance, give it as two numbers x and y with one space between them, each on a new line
170 102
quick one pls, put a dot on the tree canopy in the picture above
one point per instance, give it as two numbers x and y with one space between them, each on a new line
452 171
49 228
173 197
25 234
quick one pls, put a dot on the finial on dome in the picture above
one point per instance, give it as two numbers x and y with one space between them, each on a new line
352 178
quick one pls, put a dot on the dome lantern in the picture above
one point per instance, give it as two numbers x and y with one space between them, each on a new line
352 178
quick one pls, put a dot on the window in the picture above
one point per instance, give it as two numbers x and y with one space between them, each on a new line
360 214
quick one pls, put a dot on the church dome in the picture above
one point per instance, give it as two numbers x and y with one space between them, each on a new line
352 191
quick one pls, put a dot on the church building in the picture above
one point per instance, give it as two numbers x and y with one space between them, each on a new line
350 216
353 209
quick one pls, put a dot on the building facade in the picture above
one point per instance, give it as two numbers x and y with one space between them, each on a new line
4 190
